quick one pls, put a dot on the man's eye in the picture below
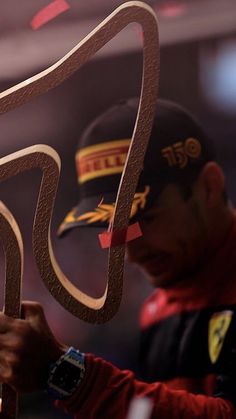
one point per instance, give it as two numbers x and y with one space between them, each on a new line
152 215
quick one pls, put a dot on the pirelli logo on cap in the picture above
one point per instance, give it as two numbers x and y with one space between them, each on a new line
101 159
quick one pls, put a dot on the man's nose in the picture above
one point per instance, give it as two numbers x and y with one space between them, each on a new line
133 249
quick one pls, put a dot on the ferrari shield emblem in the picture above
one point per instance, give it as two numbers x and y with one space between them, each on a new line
218 326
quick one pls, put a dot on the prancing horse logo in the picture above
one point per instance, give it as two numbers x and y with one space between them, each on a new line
218 327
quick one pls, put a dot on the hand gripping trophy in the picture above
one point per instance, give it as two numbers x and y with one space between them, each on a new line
93 310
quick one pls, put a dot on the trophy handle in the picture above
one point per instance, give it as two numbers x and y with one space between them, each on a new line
13 248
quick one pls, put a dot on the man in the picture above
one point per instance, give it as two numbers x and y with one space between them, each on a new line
187 249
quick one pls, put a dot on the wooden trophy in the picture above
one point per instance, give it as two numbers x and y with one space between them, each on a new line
93 310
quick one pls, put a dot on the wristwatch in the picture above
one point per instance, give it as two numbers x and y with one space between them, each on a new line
66 374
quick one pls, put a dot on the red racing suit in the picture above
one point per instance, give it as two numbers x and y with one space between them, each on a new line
188 352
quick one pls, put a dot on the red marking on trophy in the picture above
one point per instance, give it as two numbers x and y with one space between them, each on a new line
119 237
48 13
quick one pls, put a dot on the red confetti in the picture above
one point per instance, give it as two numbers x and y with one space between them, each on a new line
48 13
117 238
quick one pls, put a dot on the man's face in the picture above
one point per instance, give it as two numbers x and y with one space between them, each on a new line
174 241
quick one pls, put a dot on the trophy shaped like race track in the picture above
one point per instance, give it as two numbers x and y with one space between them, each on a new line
94 310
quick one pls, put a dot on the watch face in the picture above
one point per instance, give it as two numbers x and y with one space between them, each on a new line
67 376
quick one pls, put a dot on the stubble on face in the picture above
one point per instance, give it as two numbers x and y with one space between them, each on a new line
173 260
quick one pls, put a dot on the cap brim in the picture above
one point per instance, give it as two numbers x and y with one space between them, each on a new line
95 211
98 211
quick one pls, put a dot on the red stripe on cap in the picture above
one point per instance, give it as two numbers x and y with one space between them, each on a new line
117 238
48 13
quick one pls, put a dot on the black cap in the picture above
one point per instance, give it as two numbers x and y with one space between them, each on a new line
178 148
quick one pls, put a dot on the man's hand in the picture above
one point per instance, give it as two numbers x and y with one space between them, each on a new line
27 348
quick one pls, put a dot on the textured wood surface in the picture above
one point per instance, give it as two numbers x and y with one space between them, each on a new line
94 310
13 249
133 11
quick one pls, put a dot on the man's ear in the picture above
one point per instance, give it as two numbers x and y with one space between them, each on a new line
212 182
